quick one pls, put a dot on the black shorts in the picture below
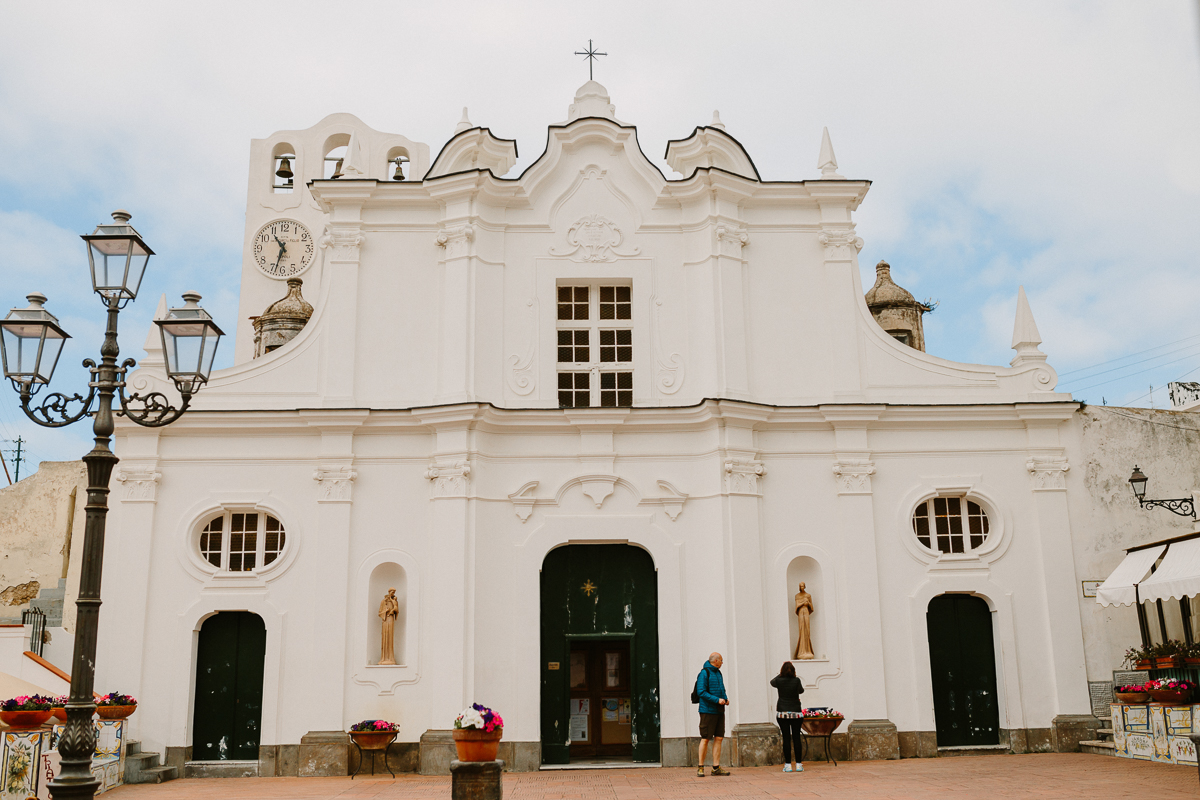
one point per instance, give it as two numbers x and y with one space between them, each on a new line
712 725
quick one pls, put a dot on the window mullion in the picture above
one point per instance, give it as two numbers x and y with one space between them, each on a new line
227 523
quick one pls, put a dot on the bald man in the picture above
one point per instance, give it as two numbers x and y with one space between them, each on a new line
710 685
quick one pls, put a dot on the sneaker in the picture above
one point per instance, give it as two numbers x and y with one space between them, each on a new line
700 772
799 768
787 767
718 770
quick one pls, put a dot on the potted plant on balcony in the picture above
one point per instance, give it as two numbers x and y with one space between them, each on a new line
1191 655
26 711
1134 694
477 733
373 734
1137 658
115 705
820 721
1169 654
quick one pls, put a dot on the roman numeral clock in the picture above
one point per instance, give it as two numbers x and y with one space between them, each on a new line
283 249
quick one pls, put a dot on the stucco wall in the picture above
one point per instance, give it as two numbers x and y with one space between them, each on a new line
41 519
1105 517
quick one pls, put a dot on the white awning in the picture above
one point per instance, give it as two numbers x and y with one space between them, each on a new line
1118 589
1177 576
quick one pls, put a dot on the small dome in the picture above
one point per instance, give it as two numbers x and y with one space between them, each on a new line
291 306
885 292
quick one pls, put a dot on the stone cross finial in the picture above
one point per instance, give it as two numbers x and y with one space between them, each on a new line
827 161
1025 333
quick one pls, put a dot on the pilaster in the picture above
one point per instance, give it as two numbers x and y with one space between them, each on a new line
843 286
342 243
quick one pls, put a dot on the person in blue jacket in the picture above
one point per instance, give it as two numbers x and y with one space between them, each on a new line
713 700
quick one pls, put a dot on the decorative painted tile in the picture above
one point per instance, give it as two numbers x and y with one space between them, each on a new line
1136 718
1140 746
1182 750
109 736
20 775
1178 719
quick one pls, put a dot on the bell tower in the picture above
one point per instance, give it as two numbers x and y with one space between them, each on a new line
895 309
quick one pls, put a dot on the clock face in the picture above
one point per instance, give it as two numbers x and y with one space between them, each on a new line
283 249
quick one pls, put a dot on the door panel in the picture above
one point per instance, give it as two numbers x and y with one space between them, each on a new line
601 719
962 660
229 677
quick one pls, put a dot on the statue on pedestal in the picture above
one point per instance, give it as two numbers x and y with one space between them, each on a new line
389 609
804 610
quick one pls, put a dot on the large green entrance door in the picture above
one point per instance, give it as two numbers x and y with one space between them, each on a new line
229 687
962 658
599 631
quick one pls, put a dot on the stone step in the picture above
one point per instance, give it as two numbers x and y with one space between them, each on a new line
160 774
139 766
1099 747
1102 732
132 747
974 750
220 769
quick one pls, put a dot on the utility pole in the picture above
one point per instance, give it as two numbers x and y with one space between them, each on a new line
17 458
5 463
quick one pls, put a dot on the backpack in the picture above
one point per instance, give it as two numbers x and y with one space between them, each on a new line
696 692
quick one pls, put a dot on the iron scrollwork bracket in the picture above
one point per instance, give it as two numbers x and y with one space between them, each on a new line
153 410
1182 506
54 411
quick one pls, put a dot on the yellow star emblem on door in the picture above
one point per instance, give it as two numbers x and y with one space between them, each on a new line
588 587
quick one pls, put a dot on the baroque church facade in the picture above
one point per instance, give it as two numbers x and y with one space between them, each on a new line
592 424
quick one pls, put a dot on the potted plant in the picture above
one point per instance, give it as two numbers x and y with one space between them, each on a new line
1191 656
477 733
1138 658
115 705
59 709
1132 694
820 721
373 734
26 711
1169 654
1170 691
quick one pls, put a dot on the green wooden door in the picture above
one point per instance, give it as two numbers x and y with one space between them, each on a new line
600 596
229 686
962 659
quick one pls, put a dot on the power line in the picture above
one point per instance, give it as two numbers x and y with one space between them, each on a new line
1143 361
1181 377
1131 374
1131 355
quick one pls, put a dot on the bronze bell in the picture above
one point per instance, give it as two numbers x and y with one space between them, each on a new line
399 174
285 169
337 169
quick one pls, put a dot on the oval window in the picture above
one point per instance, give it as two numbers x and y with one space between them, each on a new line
950 524
242 541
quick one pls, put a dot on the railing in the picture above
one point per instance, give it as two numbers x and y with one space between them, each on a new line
37 635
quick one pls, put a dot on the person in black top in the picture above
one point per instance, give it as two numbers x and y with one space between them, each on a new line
788 713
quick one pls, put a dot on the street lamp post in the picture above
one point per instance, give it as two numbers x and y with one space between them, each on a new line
30 342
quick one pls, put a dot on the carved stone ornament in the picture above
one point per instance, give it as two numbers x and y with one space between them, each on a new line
854 476
731 239
449 478
840 243
334 484
342 242
594 238
523 500
522 373
1048 473
670 368
456 240
140 484
742 475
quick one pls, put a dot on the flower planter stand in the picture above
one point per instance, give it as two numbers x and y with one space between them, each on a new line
475 745
25 720
1133 698
114 712
371 742
818 728
1169 697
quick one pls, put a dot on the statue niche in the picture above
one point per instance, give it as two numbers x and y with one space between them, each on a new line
386 611
803 610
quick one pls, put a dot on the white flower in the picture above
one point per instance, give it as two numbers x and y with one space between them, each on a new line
470 718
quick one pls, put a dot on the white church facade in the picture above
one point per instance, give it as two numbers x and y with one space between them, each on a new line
592 424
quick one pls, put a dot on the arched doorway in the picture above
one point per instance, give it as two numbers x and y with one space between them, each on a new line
227 716
962 660
599 646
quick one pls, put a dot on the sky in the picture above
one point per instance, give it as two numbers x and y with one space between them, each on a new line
1054 145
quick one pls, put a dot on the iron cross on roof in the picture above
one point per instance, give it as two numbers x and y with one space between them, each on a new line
591 54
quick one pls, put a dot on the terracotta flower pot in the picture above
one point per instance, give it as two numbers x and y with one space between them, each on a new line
1169 696
1133 698
1191 662
1144 663
114 712
820 726
60 713
477 745
373 740
25 720
1167 662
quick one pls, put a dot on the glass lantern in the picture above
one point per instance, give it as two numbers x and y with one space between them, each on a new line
190 339
30 344
117 257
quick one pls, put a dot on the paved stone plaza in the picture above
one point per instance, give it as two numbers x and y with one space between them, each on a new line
1047 776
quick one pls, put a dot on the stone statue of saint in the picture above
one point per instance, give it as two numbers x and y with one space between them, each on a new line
389 609
804 610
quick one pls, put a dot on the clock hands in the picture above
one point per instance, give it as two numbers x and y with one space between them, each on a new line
282 250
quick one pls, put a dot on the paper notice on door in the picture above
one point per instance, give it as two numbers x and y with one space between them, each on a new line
623 711
580 705
579 727
610 710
